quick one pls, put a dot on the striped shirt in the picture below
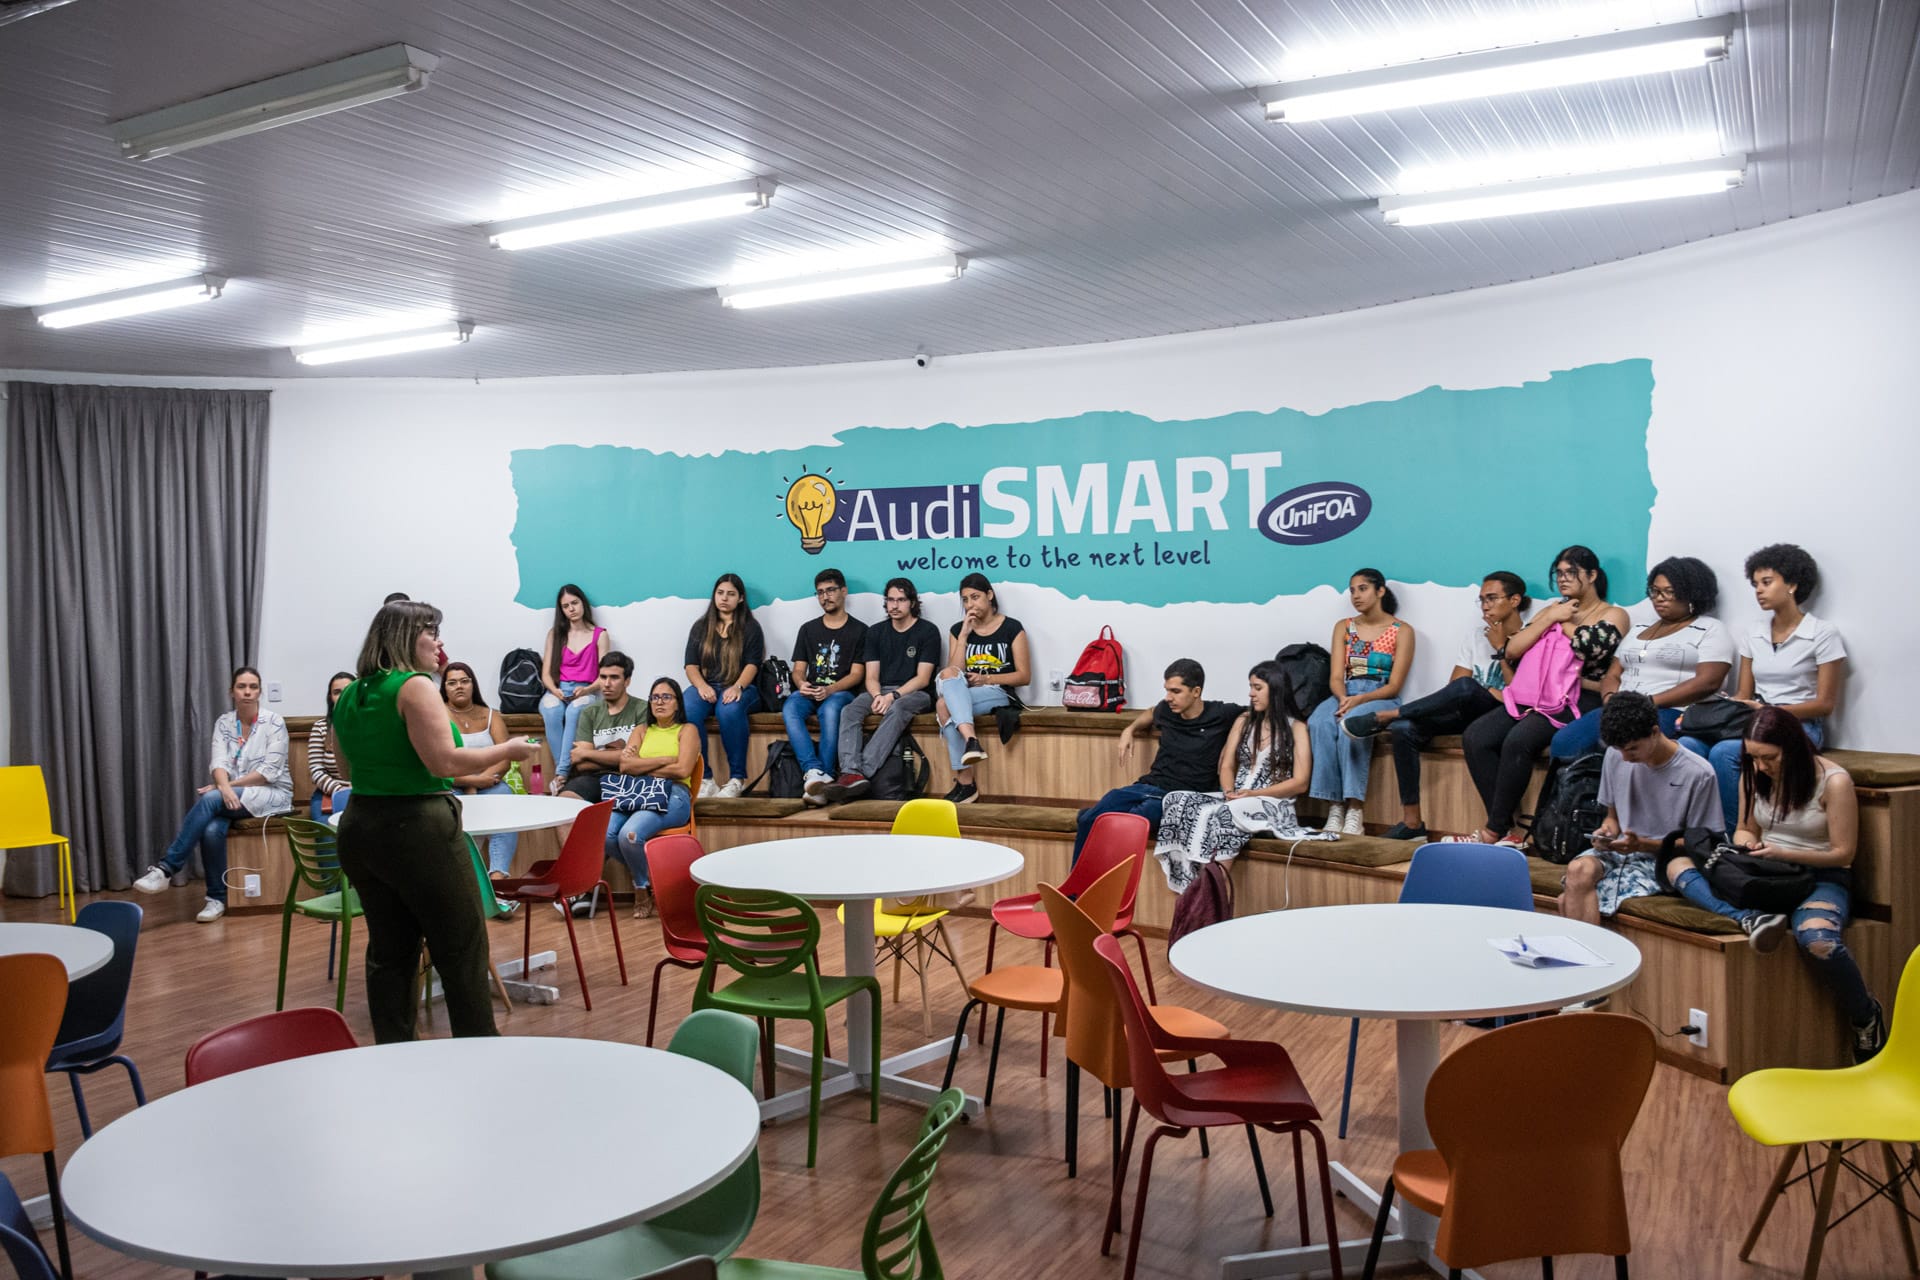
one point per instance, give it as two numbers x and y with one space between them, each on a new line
321 765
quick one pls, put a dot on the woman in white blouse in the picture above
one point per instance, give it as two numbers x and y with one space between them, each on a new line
250 779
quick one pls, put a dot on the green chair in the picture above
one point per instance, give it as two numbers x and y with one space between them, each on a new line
771 941
896 1244
712 1225
316 865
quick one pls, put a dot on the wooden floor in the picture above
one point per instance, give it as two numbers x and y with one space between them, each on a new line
1003 1206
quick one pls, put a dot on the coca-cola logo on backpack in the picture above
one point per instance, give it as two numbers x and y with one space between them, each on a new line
1099 679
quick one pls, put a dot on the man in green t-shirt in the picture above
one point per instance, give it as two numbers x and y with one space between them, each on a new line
604 728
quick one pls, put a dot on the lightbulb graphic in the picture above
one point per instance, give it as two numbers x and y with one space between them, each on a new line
810 505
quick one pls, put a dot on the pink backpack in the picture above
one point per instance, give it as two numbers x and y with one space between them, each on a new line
1547 680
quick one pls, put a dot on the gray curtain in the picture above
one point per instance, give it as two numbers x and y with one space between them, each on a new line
135 529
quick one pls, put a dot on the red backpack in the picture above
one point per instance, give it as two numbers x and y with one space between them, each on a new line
1099 679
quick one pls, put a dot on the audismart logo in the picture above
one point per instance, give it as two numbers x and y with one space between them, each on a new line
1315 513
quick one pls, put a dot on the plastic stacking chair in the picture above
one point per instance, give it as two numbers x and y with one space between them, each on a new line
36 996
574 874
268 1038
901 926
771 941
670 860
896 1244
711 1225
316 866
26 822
1458 875
1877 1101
96 1016
1257 1087
18 1240
1514 1171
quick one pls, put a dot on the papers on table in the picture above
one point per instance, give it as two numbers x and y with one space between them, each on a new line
1546 951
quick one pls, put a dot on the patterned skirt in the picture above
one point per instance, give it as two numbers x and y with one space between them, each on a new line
1203 826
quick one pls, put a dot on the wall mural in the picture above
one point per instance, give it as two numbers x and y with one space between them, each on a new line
1439 486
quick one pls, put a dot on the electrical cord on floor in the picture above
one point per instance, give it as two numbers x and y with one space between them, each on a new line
1688 1030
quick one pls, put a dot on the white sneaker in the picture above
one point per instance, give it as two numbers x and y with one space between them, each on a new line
1336 819
1356 822
733 789
156 880
708 790
814 789
211 912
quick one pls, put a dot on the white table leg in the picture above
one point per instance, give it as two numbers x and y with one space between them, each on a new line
857 937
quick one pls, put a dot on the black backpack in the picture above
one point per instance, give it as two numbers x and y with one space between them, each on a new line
903 775
782 773
1308 669
520 686
1570 809
775 683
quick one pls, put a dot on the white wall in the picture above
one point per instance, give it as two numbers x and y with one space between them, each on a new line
1783 411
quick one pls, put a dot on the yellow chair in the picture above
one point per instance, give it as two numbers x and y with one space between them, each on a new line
26 822
902 926
1877 1101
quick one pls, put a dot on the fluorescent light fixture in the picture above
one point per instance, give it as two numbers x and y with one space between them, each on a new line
449 334
1675 47
1625 186
664 210
130 302
267 104
839 284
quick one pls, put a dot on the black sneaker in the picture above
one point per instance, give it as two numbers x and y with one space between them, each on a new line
963 793
971 751
1401 831
1868 1040
1766 931
1363 725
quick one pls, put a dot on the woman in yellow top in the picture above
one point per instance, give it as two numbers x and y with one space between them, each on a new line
666 747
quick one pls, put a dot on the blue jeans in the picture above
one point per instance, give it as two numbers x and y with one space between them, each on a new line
501 848
340 799
205 825
1583 735
563 718
1142 798
1341 764
964 704
735 728
796 710
628 833
1817 925
1725 759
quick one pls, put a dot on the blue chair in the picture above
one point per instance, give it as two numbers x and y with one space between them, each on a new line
96 1014
18 1238
1457 875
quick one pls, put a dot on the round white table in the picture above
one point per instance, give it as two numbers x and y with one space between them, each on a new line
393 1158
81 950
1417 964
858 870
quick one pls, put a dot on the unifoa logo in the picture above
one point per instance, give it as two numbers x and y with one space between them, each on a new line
1315 513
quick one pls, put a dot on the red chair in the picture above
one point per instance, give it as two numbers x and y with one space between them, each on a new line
1258 1086
574 874
670 860
269 1038
1115 838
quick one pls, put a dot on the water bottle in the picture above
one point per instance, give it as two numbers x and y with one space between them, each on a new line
538 787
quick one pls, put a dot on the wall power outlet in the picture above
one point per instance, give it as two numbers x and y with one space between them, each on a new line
1698 1018
252 887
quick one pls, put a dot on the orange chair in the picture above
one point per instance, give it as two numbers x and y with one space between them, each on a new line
36 999
269 1038
26 821
670 860
1515 1171
560 881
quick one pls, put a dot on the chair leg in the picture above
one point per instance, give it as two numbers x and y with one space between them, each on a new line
500 985
1073 1117
1894 1172
953 1054
1346 1090
1140 1195
1113 1126
1546 1269
873 1062
952 951
1620 1267
579 966
653 1002
346 945
1146 965
140 1093
1379 1232
1119 1181
926 1005
993 1058
619 956
59 1216
1300 1190
1326 1196
1192 1067
333 936
1046 962
766 1056
286 937
992 930
1823 1210
1772 1197
80 1105
1260 1172
813 1090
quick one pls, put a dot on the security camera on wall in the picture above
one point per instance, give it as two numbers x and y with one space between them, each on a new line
921 359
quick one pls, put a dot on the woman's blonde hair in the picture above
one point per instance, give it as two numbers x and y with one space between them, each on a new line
390 637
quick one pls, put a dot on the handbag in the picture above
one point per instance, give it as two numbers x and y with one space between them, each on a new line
632 793
1716 720
1737 877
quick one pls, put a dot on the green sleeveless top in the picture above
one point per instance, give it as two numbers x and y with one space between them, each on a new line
370 733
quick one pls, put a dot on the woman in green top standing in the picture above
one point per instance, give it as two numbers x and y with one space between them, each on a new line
401 842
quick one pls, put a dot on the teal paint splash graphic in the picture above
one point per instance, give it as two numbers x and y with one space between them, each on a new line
1115 506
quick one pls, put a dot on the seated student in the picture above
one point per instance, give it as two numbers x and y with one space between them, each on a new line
1502 744
606 724
899 658
724 651
569 669
460 690
987 659
1683 657
1375 652
1793 661
827 670
666 746
1799 806
1192 733
1480 672
1265 764
1650 788
250 779
331 790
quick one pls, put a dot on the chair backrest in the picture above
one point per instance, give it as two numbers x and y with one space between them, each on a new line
1532 1172
23 804
670 862
36 997
1113 837
923 817
728 1042
97 1003
896 1244
584 854
1089 1021
316 860
758 933
1901 1053
1469 875
18 1239
271 1037
1151 1084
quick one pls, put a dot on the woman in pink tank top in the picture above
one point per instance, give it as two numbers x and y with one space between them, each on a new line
569 667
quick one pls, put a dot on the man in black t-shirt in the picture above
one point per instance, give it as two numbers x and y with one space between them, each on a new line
1192 733
829 665
901 655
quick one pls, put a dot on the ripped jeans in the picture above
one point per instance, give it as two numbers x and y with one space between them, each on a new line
1817 925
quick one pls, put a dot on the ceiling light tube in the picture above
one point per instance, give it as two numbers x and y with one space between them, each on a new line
1675 47
840 284
449 334
130 302
267 104
639 214
1625 186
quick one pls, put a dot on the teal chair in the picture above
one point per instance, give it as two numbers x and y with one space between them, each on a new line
316 866
896 1244
771 940
712 1225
